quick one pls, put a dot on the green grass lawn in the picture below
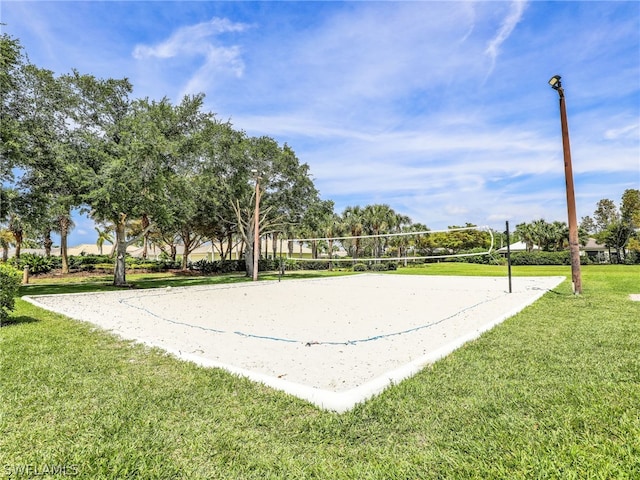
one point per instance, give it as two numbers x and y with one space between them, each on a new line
553 392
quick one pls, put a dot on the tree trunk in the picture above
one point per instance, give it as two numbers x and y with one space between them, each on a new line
248 259
229 246
274 244
145 239
119 274
17 236
330 255
64 235
186 247
47 244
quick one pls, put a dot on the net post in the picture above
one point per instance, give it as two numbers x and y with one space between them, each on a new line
508 254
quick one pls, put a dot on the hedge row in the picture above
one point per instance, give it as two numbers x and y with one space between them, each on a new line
226 266
541 258
39 264
9 284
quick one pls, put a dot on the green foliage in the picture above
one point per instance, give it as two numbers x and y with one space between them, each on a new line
545 258
90 259
103 267
378 267
383 266
37 264
492 258
9 285
296 265
207 267
540 258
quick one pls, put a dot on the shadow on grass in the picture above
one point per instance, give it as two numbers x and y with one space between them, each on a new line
14 321
33 290
139 283
148 281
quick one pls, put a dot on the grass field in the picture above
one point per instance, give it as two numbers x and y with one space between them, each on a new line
553 392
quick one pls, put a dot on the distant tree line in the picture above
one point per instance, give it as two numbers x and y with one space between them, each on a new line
615 228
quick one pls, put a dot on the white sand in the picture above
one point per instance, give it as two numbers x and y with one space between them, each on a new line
332 341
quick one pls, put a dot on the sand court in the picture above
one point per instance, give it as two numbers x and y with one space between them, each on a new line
332 341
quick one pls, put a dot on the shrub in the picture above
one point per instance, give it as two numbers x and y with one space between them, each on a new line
107 267
80 260
9 285
359 267
378 267
142 266
541 258
229 266
207 267
292 265
492 258
36 263
204 266
316 265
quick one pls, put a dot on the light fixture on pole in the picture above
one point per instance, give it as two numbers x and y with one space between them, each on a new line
256 226
574 246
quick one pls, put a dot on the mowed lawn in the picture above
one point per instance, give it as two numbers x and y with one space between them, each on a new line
553 392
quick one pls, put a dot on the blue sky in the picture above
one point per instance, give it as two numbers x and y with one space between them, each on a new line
440 109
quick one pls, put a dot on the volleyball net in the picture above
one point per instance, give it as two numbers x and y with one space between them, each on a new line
402 246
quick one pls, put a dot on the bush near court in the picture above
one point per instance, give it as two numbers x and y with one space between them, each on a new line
9 285
207 267
545 258
39 264
528 258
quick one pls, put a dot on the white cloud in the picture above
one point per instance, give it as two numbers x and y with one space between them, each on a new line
631 131
189 40
506 28
200 40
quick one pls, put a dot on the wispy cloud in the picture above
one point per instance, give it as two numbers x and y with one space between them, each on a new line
630 131
189 40
200 40
506 28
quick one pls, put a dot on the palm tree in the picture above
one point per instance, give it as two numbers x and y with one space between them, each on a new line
402 224
103 236
561 235
331 227
526 234
6 240
352 221
378 218
16 229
